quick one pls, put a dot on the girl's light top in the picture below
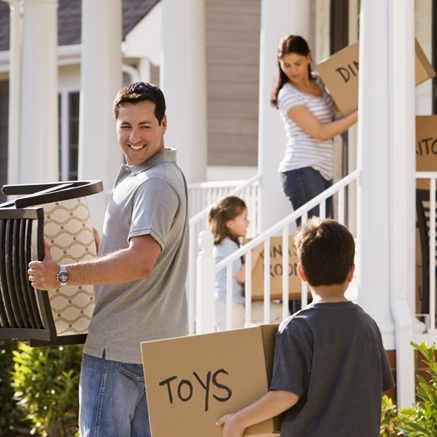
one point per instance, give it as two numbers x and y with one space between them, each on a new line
220 252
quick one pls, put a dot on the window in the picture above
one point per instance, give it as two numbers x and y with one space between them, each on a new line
68 135
4 101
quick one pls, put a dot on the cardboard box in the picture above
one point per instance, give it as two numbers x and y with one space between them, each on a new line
340 74
294 284
191 382
426 147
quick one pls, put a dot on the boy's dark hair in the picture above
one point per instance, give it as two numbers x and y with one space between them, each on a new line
326 250
140 92
226 209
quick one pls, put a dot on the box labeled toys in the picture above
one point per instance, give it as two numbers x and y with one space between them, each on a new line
193 381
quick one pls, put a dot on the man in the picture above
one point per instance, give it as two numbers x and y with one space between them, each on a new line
140 272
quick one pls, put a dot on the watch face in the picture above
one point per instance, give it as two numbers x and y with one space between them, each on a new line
63 277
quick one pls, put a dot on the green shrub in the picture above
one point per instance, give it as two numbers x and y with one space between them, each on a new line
390 420
421 420
11 418
46 382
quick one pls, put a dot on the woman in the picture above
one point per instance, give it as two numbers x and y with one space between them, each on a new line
307 111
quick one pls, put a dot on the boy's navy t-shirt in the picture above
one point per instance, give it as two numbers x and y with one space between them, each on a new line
331 355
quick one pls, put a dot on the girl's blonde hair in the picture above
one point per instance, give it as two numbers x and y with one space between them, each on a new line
226 209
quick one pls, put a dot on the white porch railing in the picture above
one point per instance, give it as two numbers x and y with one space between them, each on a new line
430 317
206 272
201 196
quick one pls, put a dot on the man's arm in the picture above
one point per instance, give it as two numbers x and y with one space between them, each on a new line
270 405
135 262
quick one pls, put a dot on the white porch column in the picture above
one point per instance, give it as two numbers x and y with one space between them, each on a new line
183 81
403 183
374 155
101 78
299 14
39 148
278 18
15 56
385 138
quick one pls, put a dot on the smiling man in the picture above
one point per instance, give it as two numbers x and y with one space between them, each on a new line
140 272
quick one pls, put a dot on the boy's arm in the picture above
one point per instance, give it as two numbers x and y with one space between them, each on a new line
270 405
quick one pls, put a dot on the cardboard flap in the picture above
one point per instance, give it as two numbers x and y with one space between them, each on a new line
424 69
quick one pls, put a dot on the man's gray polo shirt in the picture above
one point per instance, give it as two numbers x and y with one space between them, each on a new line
147 199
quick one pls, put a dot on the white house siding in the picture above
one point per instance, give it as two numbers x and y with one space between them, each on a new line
232 53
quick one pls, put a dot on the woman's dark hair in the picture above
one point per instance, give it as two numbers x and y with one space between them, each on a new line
288 44
226 209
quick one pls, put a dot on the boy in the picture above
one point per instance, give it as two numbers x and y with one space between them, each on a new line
330 366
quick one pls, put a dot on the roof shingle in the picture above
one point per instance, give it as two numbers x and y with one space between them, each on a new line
69 20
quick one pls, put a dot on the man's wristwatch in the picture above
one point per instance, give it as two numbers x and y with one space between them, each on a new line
63 276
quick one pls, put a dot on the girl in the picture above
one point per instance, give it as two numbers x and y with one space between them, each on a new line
228 222
307 111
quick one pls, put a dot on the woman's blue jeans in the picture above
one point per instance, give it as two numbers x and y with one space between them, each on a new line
112 399
302 185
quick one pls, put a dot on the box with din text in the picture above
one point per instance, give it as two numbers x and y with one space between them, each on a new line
340 73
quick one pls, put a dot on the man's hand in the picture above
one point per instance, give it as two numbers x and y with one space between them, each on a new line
97 239
42 274
233 428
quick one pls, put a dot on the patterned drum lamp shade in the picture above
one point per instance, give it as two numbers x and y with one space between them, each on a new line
69 232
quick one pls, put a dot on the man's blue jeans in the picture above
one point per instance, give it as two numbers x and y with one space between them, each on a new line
112 399
302 185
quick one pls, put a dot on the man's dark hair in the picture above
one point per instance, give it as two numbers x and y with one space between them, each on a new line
140 92
326 250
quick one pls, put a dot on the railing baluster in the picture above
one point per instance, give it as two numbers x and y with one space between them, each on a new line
323 209
267 280
285 277
341 206
248 289
432 235
191 287
304 294
229 297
